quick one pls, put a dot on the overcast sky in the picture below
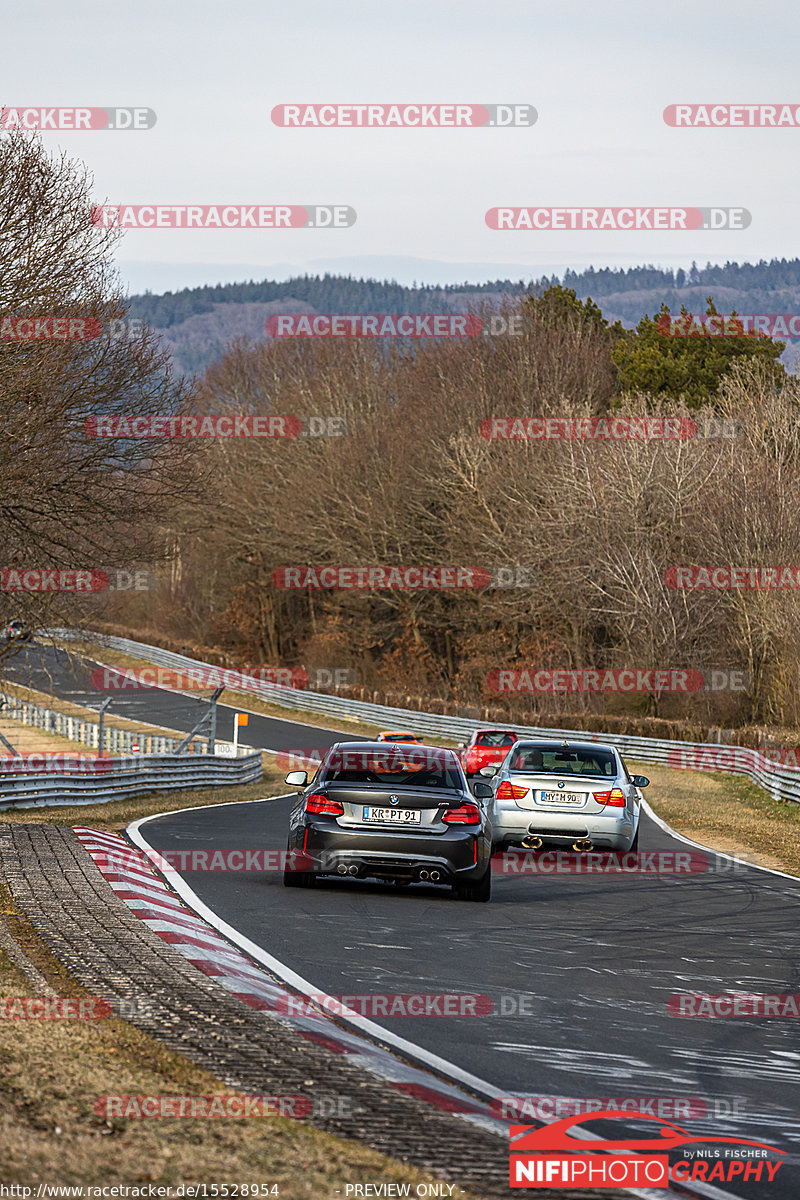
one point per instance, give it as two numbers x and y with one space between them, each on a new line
599 76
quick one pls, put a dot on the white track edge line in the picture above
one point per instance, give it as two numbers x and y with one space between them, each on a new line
381 1035
719 853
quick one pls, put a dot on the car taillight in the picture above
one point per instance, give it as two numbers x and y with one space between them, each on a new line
615 798
318 802
510 791
467 814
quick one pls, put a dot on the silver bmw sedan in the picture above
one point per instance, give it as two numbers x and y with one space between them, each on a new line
576 795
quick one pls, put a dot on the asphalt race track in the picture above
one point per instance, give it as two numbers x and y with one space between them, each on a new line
579 967
48 669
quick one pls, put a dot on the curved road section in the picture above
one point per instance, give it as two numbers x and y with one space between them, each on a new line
577 976
579 971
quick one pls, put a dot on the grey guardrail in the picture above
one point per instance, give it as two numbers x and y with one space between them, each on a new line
98 780
781 781
86 733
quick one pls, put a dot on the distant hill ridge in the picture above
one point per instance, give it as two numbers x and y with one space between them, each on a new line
198 323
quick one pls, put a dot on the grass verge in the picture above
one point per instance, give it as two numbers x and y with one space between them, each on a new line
51 1073
727 813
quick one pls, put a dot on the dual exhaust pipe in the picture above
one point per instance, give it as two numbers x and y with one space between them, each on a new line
423 875
534 842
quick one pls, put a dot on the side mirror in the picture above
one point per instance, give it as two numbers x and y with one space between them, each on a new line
462 745
640 781
297 778
488 771
482 791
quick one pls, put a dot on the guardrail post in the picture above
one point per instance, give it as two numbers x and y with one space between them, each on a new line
5 740
210 716
101 726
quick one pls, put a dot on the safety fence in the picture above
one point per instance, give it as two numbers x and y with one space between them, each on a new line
98 780
781 780
132 763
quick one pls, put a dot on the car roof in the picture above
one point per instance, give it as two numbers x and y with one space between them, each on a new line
564 744
381 747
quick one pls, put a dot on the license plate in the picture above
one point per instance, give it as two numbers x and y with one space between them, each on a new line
573 798
393 816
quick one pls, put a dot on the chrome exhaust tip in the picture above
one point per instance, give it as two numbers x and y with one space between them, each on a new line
583 846
352 870
424 874
435 876
341 869
532 842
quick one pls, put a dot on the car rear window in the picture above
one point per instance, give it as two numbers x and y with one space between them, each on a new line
495 739
428 768
560 760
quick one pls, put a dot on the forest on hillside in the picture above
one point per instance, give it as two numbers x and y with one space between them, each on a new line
395 469
344 294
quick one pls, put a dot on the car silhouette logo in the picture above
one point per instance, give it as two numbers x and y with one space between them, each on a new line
394 799
557 1136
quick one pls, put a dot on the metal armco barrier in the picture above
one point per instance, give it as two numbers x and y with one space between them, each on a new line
782 782
85 732
96 781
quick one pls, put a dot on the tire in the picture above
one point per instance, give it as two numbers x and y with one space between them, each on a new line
635 843
301 879
478 892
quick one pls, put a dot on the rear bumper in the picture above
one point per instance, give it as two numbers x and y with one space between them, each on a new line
606 830
454 854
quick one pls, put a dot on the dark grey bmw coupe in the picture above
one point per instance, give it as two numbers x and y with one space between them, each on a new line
403 813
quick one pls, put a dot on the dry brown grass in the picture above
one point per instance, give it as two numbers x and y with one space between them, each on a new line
727 813
51 1073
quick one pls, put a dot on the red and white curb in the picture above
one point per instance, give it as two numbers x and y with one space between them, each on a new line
129 873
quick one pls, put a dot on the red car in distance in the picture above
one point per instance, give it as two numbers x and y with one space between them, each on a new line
485 748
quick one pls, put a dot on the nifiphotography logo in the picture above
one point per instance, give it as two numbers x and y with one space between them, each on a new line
551 1157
